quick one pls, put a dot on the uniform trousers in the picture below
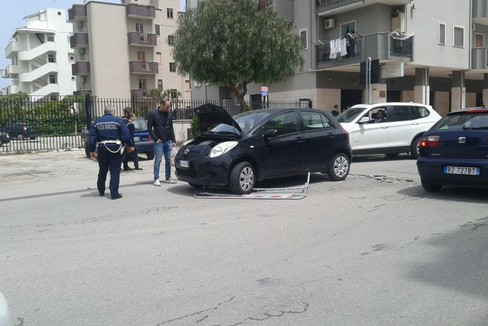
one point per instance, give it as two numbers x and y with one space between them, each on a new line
108 161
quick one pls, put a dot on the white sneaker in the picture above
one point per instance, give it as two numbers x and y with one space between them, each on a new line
157 183
170 180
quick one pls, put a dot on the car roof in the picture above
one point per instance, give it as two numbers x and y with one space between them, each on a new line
390 103
476 109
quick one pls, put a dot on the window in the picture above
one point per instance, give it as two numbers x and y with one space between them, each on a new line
139 28
51 58
169 13
479 40
442 34
157 29
315 121
458 36
160 84
172 67
50 38
284 123
304 38
171 40
142 84
52 79
159 58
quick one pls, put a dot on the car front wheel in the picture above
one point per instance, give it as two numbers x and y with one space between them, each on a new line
242 178
429 186
339 167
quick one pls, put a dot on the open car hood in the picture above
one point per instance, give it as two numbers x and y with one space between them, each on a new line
211 115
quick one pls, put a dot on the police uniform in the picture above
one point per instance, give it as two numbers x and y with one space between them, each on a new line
106 137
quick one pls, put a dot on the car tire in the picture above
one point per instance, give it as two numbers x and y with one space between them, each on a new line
339 167
150 155
414 148
429 186
242 178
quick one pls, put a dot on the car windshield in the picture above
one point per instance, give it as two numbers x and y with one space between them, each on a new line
350 114
468 121
248 120
140 124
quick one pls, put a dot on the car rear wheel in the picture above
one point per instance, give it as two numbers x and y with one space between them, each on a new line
429 186
150 155
414 148
339 167
242 178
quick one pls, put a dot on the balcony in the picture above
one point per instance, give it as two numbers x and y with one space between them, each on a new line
141 12
12 48
80 69
79 40
137 93
332 7
479 58
142 40
82 92
480 12
284 8
77 13
380 46
143 67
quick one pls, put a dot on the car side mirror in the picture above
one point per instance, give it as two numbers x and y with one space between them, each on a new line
365 120
269 133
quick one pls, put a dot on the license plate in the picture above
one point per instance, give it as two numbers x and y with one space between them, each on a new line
136 138
465 170
183 164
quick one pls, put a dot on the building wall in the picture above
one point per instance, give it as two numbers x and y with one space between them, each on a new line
109 55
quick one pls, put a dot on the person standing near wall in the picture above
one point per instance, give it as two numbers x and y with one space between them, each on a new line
160 126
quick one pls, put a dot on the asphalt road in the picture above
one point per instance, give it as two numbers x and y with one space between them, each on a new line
375 249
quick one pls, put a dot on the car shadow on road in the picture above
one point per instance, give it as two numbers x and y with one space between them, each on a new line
456 194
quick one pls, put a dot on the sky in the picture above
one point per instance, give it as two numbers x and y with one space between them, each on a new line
11 17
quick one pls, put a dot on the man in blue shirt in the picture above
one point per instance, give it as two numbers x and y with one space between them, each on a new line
110 133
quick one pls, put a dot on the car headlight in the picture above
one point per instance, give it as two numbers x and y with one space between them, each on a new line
222 148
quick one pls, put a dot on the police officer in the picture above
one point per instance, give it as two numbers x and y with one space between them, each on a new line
110 133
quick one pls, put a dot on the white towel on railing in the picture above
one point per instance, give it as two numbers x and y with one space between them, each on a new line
333 49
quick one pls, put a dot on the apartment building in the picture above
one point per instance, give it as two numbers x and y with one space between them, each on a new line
41 56
356 51
124 50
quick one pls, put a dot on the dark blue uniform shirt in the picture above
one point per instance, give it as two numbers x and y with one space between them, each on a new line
109 127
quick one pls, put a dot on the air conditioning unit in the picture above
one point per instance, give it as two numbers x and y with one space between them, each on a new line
329 23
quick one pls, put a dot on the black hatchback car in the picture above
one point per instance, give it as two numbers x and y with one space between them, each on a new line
454 152
20 131
238 151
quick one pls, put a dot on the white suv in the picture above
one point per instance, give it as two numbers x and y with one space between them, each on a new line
399 130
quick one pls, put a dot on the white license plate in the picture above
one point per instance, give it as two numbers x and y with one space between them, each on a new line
183 164
465 170
136 138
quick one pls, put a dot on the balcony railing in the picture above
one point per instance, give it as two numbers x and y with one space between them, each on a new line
78 40
80 69
479 58
142 12
355 50
142 39
77 12
143 67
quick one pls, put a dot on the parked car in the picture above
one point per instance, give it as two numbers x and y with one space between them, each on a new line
454 152
399 131
144 144
20 131
4 138
238 151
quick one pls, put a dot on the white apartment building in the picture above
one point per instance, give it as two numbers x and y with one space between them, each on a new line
124 50
41 56
428 51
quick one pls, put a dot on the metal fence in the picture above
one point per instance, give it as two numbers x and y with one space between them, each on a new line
58 124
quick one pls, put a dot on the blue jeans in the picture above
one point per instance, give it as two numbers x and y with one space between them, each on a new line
160 148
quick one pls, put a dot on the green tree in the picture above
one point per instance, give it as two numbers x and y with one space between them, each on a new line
231 43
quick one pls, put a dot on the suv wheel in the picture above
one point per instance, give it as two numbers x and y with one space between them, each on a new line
414 148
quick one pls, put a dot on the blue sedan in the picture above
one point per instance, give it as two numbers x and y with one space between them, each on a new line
454 152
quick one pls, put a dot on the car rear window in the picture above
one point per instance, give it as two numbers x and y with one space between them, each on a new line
463 121
140 124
